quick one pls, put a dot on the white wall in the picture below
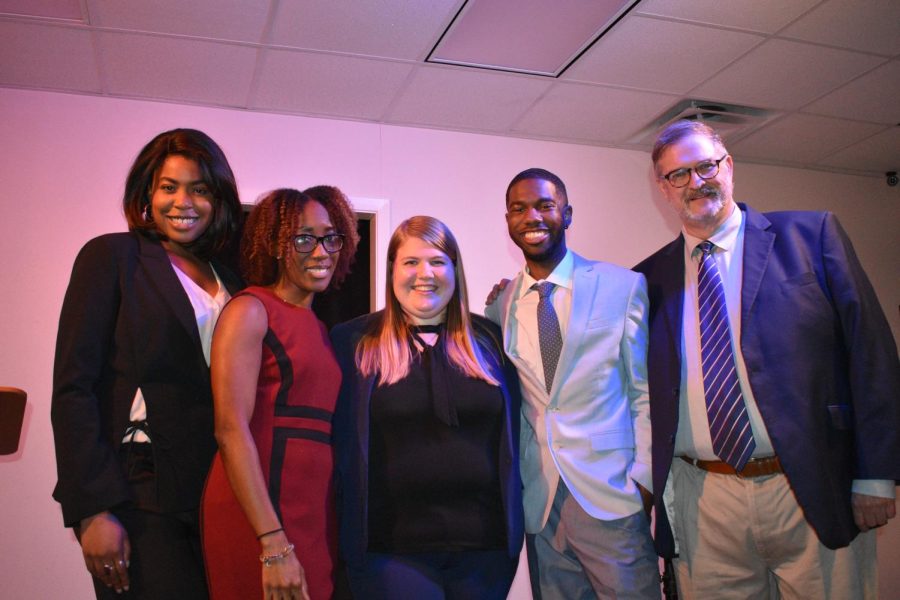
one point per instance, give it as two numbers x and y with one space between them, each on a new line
62 167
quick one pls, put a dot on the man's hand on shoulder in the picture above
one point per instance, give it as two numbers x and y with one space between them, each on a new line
870 512
495 292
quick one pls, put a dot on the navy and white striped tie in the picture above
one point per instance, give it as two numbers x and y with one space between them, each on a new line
729 425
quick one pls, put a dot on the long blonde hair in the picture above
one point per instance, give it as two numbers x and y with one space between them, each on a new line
385 348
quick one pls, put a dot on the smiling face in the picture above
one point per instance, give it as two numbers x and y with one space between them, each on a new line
304 274
423 279
703 204
537 216
181 202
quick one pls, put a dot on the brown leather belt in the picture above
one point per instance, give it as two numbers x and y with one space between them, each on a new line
755 467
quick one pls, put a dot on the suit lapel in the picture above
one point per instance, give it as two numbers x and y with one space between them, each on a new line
155 263
584 289
672 294
758 242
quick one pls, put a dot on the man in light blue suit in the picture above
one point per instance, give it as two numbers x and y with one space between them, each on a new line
576 330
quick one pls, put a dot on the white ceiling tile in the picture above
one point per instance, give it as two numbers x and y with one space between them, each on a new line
590 113
844 23
46 56
767 16
216 19
456 97
597 102
802 139
388 28
880 153
873 97
785 75
668 64
55 9
170 68
328 84
526 36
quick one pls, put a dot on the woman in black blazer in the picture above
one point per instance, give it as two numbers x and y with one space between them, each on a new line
426 435
132 408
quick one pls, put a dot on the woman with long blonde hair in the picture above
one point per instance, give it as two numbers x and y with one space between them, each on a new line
426 434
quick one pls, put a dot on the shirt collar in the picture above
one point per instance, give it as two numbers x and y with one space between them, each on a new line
561 276
724 237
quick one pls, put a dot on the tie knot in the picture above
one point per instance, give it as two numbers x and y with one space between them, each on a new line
544 288
706 246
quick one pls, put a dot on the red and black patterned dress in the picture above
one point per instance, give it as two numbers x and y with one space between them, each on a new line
291 425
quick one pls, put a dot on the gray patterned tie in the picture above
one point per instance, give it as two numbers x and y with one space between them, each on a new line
549 334
729 425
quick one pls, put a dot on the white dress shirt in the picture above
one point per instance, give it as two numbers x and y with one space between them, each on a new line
523 312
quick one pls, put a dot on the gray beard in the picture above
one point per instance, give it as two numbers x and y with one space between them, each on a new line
707 218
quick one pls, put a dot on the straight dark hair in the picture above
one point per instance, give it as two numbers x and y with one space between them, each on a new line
216 172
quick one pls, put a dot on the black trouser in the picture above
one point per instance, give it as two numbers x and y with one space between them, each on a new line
166 557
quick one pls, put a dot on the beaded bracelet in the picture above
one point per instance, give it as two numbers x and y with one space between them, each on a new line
268 559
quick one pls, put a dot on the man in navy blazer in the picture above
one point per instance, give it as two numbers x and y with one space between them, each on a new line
818 371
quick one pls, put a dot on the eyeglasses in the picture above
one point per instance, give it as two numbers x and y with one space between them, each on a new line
306 242
705 170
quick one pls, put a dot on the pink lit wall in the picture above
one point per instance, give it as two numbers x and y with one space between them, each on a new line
62 165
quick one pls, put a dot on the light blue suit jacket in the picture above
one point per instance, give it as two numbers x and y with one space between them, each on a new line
593 428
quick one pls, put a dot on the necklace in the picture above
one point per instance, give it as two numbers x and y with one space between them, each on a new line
285 300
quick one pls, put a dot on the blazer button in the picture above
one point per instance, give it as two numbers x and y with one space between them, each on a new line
672 439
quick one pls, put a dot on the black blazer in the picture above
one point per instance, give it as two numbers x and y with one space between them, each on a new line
820 358
126 323
351 437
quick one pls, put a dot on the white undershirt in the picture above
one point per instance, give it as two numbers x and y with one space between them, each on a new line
206 311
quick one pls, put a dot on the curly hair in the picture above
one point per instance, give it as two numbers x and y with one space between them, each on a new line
200 148
271 226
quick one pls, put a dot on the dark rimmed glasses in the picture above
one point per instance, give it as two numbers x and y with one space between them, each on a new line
705 170
306 242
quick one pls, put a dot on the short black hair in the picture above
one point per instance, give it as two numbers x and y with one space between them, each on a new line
543 174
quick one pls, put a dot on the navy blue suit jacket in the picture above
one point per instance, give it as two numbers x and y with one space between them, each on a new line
820 358
351 437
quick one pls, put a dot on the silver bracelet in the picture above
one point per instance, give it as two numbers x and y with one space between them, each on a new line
268 559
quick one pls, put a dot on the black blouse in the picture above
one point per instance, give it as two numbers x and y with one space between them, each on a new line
433 459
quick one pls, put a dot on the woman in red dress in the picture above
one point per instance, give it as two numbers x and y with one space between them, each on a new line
269 498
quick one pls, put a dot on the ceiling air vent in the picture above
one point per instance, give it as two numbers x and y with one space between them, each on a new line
731 121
